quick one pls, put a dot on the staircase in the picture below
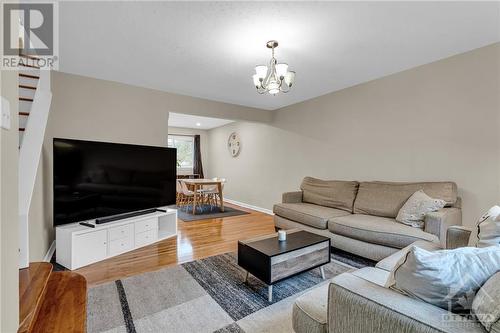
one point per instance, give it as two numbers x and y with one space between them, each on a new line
28 82
51 301
35 97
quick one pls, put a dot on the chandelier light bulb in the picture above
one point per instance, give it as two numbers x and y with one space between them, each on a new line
261 71
274 78
289 78
281 70
256 80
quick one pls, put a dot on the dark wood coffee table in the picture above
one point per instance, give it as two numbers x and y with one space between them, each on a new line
271 260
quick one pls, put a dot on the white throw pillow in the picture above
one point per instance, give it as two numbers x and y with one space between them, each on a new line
488 228
448 279
486 305
413 211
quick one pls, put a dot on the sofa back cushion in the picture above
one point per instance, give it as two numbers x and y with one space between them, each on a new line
329 193
386 198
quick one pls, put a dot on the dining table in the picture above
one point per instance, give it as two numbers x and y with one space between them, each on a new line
197 184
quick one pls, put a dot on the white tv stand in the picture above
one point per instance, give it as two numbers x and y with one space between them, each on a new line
78 245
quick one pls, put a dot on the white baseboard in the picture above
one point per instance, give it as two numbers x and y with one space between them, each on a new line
245 205
50 252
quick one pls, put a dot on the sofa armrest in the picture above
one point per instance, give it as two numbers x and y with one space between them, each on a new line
292 197
457 236
437 223
356 305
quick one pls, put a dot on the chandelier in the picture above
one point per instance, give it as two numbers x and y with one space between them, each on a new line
274 78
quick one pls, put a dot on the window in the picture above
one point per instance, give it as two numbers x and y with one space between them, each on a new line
185 152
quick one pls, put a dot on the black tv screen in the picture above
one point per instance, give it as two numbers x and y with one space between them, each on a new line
99 179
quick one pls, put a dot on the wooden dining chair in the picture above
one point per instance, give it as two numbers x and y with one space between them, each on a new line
212 192
178 193
187 195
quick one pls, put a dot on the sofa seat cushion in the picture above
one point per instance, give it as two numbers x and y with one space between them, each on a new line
310 311
374 275
378 230
309 214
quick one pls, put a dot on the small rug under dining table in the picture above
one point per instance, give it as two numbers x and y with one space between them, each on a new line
206 212
206 295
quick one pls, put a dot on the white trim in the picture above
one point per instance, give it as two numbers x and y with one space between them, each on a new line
50 252
245 205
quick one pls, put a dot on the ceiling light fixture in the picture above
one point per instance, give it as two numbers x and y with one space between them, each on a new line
198 124
275 78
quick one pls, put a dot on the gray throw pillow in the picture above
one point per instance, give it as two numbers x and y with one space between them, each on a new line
448 279
486 304
413 211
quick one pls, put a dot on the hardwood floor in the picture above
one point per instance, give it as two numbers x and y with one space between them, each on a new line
64 308
32 284
195 240
51 301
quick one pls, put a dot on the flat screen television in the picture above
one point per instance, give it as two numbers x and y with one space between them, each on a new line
99 179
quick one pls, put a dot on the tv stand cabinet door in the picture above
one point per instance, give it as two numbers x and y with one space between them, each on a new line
89 248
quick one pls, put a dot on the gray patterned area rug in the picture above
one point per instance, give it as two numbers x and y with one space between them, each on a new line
206 295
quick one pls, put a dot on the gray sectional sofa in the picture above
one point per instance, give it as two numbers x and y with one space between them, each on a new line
359 217
359 302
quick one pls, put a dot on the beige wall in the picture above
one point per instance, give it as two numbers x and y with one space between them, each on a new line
40 219
90 109
434 122
203 142
9 212
99 110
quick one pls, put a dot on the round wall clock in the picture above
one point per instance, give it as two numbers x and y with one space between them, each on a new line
234 144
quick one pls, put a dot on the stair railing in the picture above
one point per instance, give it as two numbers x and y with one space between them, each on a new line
29 158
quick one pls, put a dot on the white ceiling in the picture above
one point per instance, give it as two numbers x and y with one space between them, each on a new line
198 122
209 49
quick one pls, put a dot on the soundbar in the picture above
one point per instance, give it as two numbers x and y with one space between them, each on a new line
117 217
